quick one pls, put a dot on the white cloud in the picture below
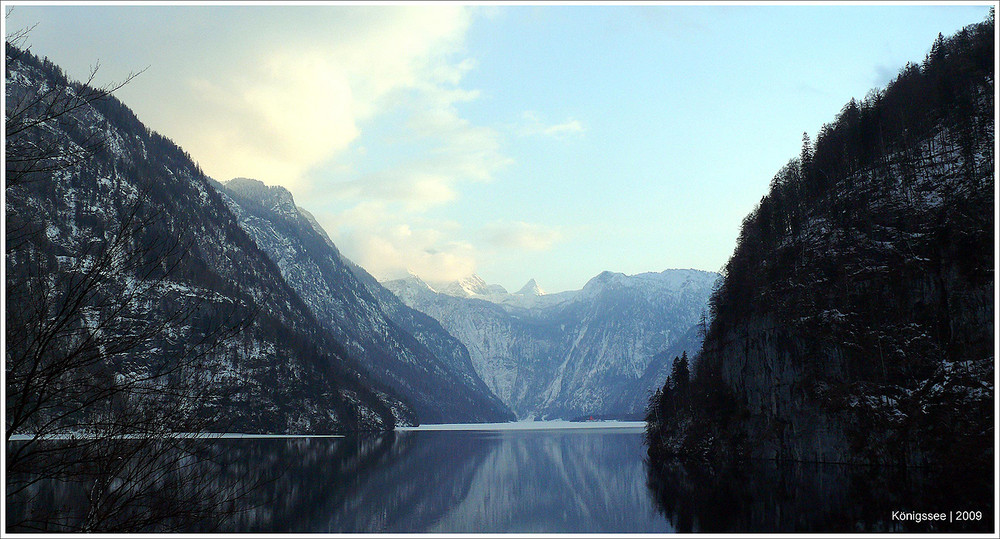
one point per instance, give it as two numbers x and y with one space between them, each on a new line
418 190
521 235
375 236
291 112
532 125
355 109
275 93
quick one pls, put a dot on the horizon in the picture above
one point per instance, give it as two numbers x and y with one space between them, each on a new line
503 141
545 292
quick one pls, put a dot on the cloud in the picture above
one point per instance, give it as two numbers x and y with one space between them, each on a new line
290 113
417 190
431 153
532 125
358 110
276 93
521 235
425 153
375 237
401 150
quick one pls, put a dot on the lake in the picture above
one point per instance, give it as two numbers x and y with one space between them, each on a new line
465 481
549 478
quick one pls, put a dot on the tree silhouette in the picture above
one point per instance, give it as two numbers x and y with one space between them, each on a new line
91 403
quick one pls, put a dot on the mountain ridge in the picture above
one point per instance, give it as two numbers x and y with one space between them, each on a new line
573 353
349 304
855 321
85 203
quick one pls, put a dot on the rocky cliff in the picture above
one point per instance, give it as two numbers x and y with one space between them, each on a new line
123 262
400 347
855 319
597 351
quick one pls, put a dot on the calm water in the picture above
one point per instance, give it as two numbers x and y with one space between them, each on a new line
546 481
567 480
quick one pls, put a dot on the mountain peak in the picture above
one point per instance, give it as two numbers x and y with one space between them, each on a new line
274 196
603 278
530 288
414 279
248 187
469 286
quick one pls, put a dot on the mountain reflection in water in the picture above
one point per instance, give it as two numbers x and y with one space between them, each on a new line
462 482
550 480
544 481
767 496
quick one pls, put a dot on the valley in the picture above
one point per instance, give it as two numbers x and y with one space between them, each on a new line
192 349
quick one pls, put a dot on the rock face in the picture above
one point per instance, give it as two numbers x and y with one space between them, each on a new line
402 348
596 351
855 322
170 240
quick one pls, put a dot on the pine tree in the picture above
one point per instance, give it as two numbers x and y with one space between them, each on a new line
680 374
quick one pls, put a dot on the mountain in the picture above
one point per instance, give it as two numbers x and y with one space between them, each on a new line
470 286
530 288
124 262
402 348
856 319
595 351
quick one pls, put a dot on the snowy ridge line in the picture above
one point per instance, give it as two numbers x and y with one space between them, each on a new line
597 351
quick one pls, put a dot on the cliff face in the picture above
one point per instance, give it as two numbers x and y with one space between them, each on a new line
597 351
120 242
855 319
413 356
905 312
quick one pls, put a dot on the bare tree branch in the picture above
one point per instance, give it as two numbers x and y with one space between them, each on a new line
109 347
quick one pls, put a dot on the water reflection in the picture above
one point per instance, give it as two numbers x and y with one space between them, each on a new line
437 481
488 482
764 496
546 481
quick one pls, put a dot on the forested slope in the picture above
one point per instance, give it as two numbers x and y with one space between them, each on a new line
439 382
132 289
855 319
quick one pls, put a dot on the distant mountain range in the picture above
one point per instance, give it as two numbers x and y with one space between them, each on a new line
598 351
324 347
402 348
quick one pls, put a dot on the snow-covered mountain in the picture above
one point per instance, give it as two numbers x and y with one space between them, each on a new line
595 351
530 288
404 349
470 287
856 321
92 186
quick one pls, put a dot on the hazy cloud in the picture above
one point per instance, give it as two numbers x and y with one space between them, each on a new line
418 190
429 148
532 124
442 151
375 236
288 114
392 82
297 94
521 235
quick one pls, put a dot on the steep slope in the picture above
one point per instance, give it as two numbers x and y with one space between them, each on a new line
400 347
182 263
566 355
530 288
855 321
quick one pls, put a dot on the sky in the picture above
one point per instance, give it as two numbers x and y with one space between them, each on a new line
520 141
